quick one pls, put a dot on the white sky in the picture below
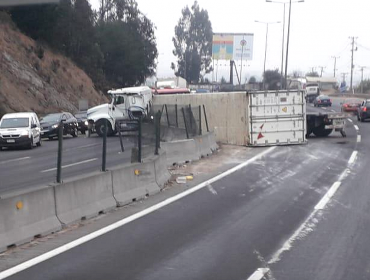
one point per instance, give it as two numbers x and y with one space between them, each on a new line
319 29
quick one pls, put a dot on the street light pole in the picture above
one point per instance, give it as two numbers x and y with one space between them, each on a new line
282 51
264 63
287 46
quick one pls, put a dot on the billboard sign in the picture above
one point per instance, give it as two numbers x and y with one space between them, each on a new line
232 46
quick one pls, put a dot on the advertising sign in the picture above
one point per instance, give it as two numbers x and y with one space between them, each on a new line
232 46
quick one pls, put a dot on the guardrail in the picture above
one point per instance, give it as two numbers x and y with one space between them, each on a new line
31 213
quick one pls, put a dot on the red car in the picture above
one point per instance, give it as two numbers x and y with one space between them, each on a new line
350 106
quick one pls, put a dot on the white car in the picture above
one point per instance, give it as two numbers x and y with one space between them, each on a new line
20 129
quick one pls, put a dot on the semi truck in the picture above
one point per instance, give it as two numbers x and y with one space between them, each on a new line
125 104
281 118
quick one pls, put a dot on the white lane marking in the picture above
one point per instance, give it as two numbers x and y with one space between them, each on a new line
69 165
350 120
16 269
212 190
309 223
333 111
356 127
358 138
324 108
259 274
81 147
352 158
324 201
13 160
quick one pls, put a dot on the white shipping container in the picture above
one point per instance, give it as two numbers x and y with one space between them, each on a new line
277 118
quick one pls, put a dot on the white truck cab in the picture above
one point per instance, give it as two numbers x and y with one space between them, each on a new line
126 104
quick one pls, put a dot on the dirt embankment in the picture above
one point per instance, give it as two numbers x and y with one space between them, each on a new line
33 78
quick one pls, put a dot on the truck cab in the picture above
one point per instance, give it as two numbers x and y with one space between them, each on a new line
125 104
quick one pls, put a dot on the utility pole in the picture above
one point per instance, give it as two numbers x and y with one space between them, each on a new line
335 63
362 79
322 69
352 66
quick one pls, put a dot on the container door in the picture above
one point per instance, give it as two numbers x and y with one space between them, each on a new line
277 118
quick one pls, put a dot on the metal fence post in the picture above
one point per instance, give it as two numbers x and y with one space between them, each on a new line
177 120
120 136
139 141
168 120
157 123
205 117
200 120
191 117
60 149
104 158
186 127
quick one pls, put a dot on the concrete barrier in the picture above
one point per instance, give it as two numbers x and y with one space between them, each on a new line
161 172
212 141
203 145
84 197
134 181
25 215
181 151
227 113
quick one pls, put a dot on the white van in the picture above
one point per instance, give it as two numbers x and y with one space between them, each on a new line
20 129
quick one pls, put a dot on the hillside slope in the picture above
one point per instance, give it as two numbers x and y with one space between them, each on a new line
33 78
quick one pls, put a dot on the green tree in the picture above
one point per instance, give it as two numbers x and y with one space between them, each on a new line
128 43
272 79
252 80
193 44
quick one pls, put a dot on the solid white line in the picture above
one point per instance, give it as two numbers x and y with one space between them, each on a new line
259 274
324 201
12 160
358 138
356 127
350 120
69 165
333 111
127 220
352 158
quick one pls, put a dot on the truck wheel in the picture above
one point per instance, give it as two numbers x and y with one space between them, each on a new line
100 128
322 132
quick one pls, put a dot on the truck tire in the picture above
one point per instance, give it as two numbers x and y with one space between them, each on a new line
100 128
321 131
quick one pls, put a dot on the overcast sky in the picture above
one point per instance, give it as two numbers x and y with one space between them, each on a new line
320 29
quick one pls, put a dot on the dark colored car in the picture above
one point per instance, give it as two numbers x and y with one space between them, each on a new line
363 111
82 121
322 100
350 106
50 125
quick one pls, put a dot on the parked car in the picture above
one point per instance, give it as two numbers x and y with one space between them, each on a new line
322 100
81 117
50 125
363 111
350 106
20 129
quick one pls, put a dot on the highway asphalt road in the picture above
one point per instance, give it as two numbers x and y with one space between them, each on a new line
299 212
22 168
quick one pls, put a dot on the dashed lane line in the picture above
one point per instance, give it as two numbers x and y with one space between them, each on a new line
70 165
